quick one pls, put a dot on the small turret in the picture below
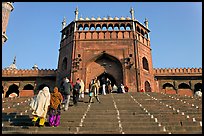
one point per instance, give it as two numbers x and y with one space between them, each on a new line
13 65
64 23
132 14
76 14
146 23
35 67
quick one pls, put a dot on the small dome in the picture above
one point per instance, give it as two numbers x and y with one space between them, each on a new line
110 18
81 18
11 67
128 18
104 18
98 18
122 18
35 67
87 18
116 18
93 18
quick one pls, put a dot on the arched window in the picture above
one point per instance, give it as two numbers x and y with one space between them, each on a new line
86 27
104 27
116 27
80 27
142 32
98 27
64 64
145 64
110 27
147 87
122 27
146 35
128 27
92 27
138 29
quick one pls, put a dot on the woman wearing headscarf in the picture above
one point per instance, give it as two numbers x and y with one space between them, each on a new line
55 108
40 106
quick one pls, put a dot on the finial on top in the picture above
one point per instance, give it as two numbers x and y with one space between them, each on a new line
132 13
76 13
64 23
146 23
14 60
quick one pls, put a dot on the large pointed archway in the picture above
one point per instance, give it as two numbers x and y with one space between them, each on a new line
105 65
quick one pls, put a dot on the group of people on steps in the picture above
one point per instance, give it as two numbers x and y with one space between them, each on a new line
51 104
46 103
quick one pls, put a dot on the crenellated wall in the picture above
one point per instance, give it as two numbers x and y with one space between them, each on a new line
177 71
182 81
28 72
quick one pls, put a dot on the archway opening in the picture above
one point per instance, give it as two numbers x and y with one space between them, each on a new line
198 87
40 87
12 89
107 66
105 76
147 87
28 87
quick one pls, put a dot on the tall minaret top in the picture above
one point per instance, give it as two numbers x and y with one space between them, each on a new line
13 65
76 14
14 60
7 8
64 23
146 23
132 13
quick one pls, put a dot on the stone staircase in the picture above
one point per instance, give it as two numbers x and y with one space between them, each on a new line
129 113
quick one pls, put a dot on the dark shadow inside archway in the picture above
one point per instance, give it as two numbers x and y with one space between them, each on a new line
12 89
28 87
113 68
40 87
105 76
198 87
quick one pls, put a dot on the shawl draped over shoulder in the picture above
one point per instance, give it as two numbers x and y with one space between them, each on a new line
56 98
41 103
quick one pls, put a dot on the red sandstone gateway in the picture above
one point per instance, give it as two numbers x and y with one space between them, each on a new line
114 48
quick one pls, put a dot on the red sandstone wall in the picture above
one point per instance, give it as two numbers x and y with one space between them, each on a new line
24 93
187 92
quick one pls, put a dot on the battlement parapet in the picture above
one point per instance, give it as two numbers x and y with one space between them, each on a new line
28 72
177 71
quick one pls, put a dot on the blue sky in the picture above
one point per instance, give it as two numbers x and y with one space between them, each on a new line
34 31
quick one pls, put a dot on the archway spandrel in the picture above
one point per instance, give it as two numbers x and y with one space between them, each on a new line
93 70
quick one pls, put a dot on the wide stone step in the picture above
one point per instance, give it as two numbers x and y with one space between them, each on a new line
102 118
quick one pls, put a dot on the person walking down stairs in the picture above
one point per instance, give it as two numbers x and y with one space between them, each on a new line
76 90
55 108
67 90
39 105
93 91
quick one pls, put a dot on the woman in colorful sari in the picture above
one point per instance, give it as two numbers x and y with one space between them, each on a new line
55 108
40 106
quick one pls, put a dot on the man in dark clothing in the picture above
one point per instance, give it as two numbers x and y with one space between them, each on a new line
67 89
76 89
